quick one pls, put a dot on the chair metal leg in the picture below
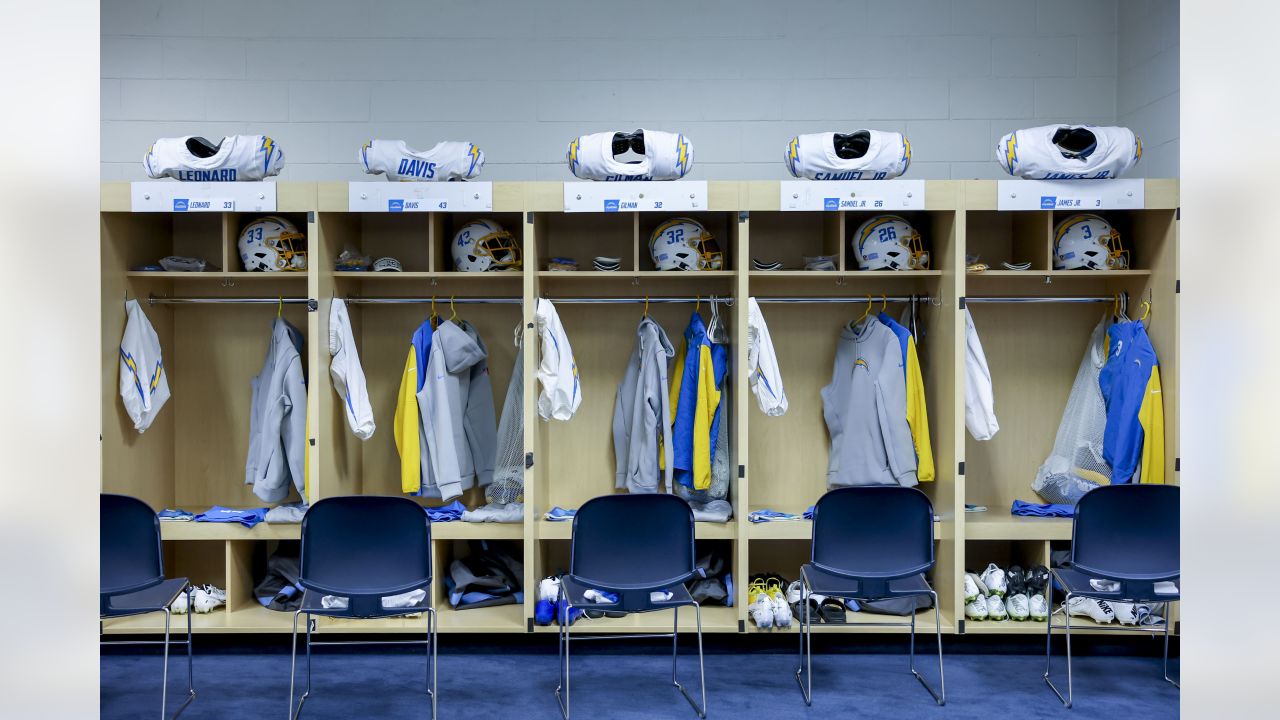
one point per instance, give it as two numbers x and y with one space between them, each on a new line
293 665
433 641
164 687
1048 647
191 677
804 671
1167 622
563 612
940 698
702 674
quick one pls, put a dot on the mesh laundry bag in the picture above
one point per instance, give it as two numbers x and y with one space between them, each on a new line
508 467
1076 466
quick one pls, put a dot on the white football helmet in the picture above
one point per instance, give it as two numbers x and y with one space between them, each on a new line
483 246
272 244
387 264
1087 242
887 242
684 244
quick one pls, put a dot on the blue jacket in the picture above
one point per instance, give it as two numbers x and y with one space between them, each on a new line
1126 382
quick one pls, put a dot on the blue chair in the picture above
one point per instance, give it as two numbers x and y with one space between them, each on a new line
363 549
1127 534
132 582
631 545
870 543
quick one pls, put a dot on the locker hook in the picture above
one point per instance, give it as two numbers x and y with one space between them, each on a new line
453 310
884 303
1146 310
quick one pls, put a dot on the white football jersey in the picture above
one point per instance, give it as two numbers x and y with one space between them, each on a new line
667 156
446 161
1032 154
814 157
239 157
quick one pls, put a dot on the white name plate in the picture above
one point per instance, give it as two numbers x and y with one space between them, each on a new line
419 196
1080 195
635 196
185 197
831 195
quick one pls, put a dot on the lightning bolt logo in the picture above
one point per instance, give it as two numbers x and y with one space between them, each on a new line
268 146
793 156
573 155
906 154
155 376
682 160
1011 152
475 158
1137 152
364 153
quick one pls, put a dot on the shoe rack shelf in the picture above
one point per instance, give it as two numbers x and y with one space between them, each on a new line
194 454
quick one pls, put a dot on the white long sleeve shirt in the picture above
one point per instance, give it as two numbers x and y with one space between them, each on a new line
144 385
979 402
762 364
347 373
557 372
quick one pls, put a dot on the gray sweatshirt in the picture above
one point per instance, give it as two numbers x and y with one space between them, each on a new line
641 412
445 412
865 407
278 418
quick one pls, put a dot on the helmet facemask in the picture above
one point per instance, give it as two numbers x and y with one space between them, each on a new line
291 251
710 256
502 250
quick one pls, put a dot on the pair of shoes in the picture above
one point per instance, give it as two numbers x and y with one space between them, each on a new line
999 595
767 603
1100 611
204 599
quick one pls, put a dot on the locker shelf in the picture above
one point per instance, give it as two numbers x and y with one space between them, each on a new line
548 530
858 622
714 619
170 530
986 526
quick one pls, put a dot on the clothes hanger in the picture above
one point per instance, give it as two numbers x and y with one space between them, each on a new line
646 306
853 325
454 312
884 303
280 307
1146 310
434 318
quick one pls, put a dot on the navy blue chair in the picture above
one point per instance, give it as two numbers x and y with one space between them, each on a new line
361 550
1129 535
632 546
870 543
131 578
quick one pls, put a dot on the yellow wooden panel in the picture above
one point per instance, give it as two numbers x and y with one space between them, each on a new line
332 197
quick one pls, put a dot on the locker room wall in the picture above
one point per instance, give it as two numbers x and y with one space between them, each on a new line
520 79
1147 81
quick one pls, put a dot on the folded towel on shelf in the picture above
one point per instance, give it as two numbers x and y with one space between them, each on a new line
446 513
218 514
496 512
767 515
1042 510
287 513
175 515
713 511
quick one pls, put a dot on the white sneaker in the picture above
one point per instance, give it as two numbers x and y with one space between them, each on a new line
781 610
970 587
993 578
761 605
793 592
208 598
976 609
1019 607
1039 607
1126 613
179 604
996 609
1098 610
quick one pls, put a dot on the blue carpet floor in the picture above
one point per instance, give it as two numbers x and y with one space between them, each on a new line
484 683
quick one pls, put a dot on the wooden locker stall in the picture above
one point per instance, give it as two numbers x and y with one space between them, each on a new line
805 311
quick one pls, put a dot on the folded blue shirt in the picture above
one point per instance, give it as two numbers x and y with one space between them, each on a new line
1038 510
767 515
559 514
247 517
175 514
446 513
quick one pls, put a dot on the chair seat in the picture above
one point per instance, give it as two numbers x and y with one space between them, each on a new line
631 600
313 604
153 599
1077 583
822 582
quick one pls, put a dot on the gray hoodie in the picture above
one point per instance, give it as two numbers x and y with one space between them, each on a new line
278 418
865 407
454 426
641 412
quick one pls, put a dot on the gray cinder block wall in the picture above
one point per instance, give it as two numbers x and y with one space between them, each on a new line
739 77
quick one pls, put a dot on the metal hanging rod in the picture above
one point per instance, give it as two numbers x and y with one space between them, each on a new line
439 300
852 299
1085 299
160 300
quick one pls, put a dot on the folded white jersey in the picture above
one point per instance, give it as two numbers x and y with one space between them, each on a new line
193 159
1064 152
144 387
667 156
814 157
446 161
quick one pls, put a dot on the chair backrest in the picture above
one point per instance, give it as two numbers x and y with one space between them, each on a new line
873 531
1127 532
365 546
130 556
633 541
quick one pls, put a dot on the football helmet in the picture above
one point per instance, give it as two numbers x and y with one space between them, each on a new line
272 244
483 246
1087 242
888 242
684 244
387 264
